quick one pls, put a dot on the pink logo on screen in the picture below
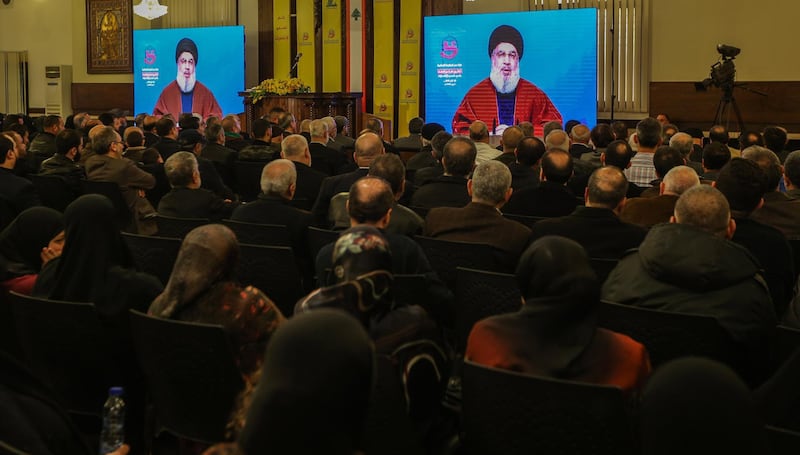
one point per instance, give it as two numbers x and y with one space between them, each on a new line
409 66
384 78
449 48
331 34
149 56
409 93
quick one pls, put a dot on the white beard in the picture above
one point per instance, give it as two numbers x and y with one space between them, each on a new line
504 84
186 85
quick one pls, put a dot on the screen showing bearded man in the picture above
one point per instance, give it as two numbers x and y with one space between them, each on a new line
185 93
504 99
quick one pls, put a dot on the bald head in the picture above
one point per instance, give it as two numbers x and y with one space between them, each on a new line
557 139
479 132
279 178
295 147
459 156
607 188
704 207
370 201
580 134
556 166
678 180
368 147
511 137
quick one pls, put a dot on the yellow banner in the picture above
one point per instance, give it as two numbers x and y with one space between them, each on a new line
306 69
282 44
383 59
332 39
409 61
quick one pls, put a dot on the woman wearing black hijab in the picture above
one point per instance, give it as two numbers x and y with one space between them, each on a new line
695 406
95 265
555 333
33 238
317 379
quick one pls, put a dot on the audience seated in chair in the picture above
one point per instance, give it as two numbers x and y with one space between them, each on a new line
649 211
555 333
450 188
201 289
480 221
323 158
691 266
168 137
295 148
108 165
551 197
262 148
597 225
34 238
17 192
187 199
95 265
427 165
779 210
526 167
64 164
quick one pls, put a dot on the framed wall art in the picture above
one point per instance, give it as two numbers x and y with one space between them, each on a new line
108 36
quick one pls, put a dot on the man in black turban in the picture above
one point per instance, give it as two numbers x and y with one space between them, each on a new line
504 99
185 94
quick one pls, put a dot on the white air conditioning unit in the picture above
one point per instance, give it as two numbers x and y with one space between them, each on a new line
58 90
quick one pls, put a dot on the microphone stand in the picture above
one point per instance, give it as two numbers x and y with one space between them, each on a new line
294 66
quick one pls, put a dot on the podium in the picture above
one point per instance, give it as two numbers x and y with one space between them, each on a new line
308 106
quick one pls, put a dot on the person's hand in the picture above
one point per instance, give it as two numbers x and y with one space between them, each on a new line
123 450
48 254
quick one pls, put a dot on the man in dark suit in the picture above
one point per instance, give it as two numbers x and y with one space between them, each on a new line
368 147
525 168
309 181
551 197
511 138
195 142
216 151
278 185
596 226
43 145
324 158
649 211
414 139
744 184
449 189
715 155
427 164
168 132
69 144
342 139
779 210
187 199
480 221
17 191
580 136
262 148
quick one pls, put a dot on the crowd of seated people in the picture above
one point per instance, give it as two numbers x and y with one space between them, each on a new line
688 227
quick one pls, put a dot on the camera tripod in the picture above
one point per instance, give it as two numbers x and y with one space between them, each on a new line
723 114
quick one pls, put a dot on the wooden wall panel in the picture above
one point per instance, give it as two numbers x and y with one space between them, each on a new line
96 98
690 108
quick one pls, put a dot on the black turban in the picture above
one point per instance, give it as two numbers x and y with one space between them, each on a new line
506 34
186 45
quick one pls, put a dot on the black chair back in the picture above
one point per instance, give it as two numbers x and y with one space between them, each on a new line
259 234
247 175
154 255
785 342
782 441
177 228
389 430
480 294
68 348
191 375
445 256
509 413
668 335
273 270
318 238
524 219
53 191
111 190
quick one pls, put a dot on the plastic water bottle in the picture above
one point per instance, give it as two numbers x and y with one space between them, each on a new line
113 434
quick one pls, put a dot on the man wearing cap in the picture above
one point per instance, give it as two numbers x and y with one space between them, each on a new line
504 99
185 93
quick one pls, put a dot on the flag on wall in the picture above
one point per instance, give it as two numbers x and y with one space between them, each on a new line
383 59
409 62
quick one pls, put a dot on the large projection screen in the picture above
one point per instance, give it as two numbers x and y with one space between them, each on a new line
219 68
558 56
